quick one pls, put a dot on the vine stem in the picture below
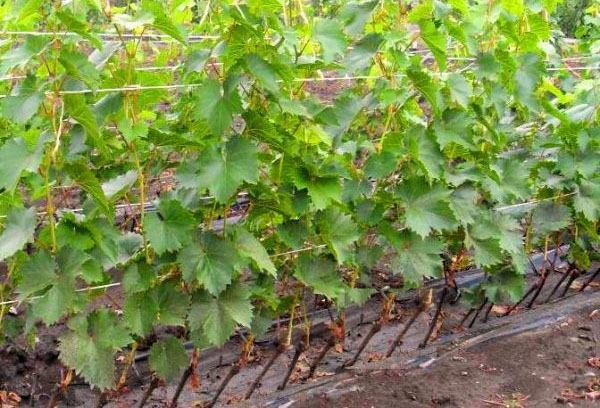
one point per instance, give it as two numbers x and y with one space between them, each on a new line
128 363
278 351
313 367
153 385
185 376
436 316
404 330
299 350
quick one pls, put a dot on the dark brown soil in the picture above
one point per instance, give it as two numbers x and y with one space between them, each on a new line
546 368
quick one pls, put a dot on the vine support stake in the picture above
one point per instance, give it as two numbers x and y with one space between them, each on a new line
151 387
479 309
375 328
560 282
404 330
184 377
299 350
436 316
235 369
590 280
278 351
313 367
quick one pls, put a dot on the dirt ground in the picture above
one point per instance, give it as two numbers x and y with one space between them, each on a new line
554 367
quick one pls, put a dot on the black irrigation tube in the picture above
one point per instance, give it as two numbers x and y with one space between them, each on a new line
465 278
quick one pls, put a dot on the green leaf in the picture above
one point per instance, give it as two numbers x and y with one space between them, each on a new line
426 151
213 262
196 61
250 247
218 317
162 22
322 189
460 89
170 228
168 358
548 217
425 208
15 158
20 56
361 55
216 106
58 275
263 71
415 257
320 275
74 24
77 107
90 347
454 127
82 175
422 82
223 170
435 40
18 230
587 200
380 165
23 103
339 232
117 186
333 40
163 304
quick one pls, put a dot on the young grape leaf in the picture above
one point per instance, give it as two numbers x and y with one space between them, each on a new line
339 232
15 158
18 230
250 247
74 24
217 105
320 275
23 103
82 175
77 107
90 346
170 228
426 208
548 217
415 257
217 317
212 261
168 358
333 40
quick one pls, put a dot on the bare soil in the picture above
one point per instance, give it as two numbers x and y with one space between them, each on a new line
553 367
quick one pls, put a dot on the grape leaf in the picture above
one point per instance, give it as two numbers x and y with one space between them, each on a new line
168 358
18 230
217 317
224 170
426 208
212 261
339 232
169 228
250 247
91 345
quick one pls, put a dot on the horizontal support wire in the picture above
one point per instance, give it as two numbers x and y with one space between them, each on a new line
292 252
133 88
116 284
104 35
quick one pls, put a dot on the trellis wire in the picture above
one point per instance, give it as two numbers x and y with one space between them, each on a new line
131 88
106 35
115 284
292 252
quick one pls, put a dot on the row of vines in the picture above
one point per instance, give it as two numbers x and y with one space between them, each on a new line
183 154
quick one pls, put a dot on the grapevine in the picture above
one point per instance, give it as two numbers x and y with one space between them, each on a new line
180 154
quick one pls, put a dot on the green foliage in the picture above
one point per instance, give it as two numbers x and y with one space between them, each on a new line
224 169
